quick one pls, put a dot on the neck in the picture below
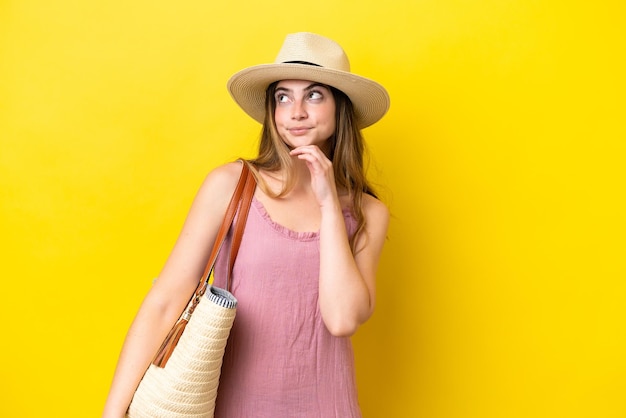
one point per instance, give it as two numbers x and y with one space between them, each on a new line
303 176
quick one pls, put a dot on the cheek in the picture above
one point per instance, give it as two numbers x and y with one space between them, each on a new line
332 110
331 119
278 118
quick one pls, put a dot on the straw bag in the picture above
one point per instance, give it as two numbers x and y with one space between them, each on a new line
183 377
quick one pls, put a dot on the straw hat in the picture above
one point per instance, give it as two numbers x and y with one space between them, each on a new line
307 56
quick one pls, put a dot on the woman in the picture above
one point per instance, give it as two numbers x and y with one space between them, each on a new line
305 273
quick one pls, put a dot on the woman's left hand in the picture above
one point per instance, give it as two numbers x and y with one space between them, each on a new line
321 170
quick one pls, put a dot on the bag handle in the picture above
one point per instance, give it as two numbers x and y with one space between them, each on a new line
240 201
240 223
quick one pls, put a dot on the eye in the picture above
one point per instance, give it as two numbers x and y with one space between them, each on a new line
315 95
282 98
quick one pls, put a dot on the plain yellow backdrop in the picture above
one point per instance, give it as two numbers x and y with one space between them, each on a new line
501 288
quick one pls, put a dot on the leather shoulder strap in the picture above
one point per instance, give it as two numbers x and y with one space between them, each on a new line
231 210
167 347
240 223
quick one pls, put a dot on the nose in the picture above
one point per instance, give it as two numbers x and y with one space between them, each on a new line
298 111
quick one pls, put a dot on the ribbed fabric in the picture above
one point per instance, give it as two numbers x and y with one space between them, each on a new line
280 360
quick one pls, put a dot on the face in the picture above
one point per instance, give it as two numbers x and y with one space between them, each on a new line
305 113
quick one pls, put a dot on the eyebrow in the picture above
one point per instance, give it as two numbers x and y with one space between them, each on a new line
310 87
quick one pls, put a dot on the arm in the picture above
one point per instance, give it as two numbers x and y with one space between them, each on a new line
347 281
171 292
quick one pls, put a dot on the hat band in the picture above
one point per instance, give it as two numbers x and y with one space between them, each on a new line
301 62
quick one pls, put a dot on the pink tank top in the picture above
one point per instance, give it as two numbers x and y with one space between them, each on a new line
280 360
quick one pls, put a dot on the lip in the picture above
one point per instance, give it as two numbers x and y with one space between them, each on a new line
299 130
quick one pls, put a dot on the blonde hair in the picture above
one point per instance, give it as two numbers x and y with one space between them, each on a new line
346 151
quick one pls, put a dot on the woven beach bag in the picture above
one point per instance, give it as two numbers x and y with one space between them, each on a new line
183 378
187 386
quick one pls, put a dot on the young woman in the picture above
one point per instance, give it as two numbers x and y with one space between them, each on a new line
305 273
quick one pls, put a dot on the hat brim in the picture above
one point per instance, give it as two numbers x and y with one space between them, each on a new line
247 87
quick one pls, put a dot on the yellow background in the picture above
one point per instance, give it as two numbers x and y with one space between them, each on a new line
501 289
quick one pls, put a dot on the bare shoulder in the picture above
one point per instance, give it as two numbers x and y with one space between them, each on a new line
370 244
221 181
217 188
226 173
374 209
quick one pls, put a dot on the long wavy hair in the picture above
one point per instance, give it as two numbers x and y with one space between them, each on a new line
346 151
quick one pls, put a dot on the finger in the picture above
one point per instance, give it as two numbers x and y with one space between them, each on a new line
309 155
